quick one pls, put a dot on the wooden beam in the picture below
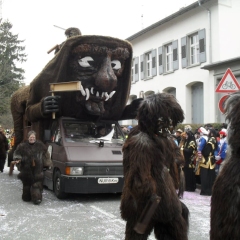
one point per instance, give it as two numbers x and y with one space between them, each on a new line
65 86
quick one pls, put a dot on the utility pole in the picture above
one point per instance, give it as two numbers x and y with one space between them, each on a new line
0 11
142 18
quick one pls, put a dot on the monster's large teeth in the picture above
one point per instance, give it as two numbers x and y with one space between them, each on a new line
107 96
88 93
83 92
111 94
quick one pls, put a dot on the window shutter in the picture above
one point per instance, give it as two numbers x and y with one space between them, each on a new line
184 51
175 55
160 60
202 45
154 65
142 66
136 69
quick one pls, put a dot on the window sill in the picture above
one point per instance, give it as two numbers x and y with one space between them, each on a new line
148 78
166 73
194 65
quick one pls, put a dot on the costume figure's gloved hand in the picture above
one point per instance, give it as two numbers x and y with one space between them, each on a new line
130 111
217 158
51 104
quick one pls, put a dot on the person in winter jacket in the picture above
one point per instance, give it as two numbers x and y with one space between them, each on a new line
221 151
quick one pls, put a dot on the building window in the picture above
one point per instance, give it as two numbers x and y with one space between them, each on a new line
148 64
193 49
168 57
134 70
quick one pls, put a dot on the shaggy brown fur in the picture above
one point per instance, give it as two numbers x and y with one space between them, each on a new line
34 157
18 107
108 71
150 167
225 203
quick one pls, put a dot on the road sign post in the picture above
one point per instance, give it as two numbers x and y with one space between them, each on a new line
228 84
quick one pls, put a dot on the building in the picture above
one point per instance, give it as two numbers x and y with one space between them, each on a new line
186 54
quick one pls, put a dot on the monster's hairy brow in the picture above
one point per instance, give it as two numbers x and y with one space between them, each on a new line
119 52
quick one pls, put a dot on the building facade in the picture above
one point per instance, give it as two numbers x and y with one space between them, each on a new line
186 54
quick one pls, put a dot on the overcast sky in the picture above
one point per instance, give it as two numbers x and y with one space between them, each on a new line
34 20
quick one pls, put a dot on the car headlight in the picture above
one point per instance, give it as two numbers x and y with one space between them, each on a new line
74 170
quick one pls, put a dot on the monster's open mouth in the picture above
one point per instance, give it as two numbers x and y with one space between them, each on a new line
94 100
92 92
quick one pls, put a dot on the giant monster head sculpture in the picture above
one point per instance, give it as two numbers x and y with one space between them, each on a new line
101 64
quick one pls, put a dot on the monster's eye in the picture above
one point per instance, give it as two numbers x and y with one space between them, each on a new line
86 61
116 64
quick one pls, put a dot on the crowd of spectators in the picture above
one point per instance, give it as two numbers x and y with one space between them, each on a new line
204 151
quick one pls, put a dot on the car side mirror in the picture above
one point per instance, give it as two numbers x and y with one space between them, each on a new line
47 136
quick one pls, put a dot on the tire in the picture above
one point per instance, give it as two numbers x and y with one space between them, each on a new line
56 187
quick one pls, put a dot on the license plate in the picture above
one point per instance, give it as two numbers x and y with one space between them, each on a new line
107 180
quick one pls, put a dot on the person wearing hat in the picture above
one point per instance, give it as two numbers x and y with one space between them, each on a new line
178 135
207 164
201 144
221 151
187 128
189 152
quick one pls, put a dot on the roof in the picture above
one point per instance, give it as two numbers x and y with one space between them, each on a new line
167 19
220 63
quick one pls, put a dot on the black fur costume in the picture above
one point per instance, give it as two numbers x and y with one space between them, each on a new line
150 167
3 150
34 157
225 202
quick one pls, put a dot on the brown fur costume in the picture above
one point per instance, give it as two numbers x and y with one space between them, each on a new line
34 157
225 202
102 64
150 168
3 150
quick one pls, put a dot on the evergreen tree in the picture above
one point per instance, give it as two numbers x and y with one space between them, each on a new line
11 55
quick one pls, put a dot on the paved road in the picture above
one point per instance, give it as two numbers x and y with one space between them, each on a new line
80 217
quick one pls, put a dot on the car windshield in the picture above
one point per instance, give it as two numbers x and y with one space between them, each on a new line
93 132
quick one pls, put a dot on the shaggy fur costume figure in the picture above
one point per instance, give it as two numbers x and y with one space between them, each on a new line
3 150
151 168
33 158
225 203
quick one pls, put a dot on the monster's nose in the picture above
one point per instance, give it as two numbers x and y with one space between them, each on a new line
106 78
